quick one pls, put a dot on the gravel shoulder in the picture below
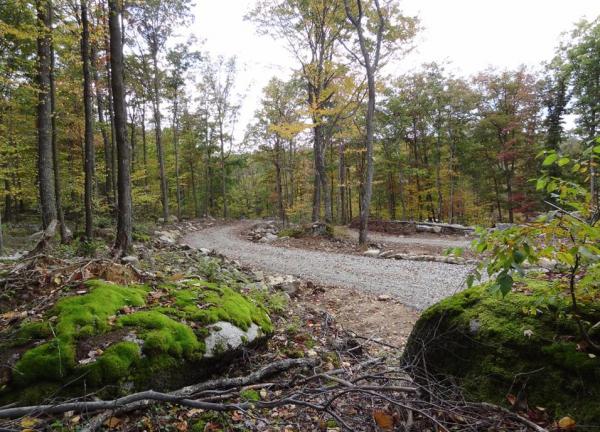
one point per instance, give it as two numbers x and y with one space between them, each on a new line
444 242
416 284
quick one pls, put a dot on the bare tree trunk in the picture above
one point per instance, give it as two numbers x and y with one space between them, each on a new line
89 123
44 114
194 192
223 174
111 115
370 65
1 236
103 127
278 187
55 156
164 190
124 219
342 186
176 148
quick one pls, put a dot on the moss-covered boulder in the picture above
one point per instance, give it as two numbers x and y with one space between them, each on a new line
119 338
525 344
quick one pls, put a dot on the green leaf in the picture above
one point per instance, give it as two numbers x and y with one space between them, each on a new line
563 161
518 257
550 159
541 183
470 280
505 283
597 149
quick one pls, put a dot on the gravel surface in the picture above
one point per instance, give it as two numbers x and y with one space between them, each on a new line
415 283
419 239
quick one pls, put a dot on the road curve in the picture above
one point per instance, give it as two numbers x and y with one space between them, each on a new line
415 283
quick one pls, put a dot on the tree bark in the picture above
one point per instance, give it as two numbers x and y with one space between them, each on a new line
55 156
103 129
164 190
176 148
124 218
44 114
278 187
89 124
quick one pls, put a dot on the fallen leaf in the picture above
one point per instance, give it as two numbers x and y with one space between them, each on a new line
383 420
112 422
193 412
511 398
566 423
182 426
28 422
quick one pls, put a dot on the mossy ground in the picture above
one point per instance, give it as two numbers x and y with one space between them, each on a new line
527 341
166 334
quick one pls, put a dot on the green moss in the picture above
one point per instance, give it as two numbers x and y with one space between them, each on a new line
52 361
88 315
250 395
173 335
32 331
115 364
496 345
208 303
294 232
165 335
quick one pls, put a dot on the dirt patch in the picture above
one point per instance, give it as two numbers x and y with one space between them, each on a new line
380 319
88 348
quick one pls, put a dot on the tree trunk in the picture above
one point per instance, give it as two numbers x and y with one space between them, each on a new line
124 219
342 186
176 148
89 123
111 115
144 144
164 190
223 173
44 114
278 187
103 129
194 192
55 156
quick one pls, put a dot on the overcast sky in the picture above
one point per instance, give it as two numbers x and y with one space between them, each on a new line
471 34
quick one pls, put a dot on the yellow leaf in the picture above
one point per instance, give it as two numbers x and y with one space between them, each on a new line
28 422
566 423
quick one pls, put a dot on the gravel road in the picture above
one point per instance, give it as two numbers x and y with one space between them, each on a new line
415 283
422 240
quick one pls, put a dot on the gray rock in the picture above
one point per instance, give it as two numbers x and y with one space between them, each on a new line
204 251
372 252
268 238
226 337
130 259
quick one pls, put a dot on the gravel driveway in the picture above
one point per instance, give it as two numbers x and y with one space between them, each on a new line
417 284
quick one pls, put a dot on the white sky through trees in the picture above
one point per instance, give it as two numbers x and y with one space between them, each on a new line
471 34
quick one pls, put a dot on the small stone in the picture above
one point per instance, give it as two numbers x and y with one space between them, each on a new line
131 260
474 326
372 252
384 297
311 353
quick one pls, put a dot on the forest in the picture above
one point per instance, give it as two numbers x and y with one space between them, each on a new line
135 207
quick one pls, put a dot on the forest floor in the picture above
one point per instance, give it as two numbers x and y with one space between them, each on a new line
348 321
414 284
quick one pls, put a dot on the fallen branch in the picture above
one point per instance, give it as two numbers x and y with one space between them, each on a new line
178 396
512 415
